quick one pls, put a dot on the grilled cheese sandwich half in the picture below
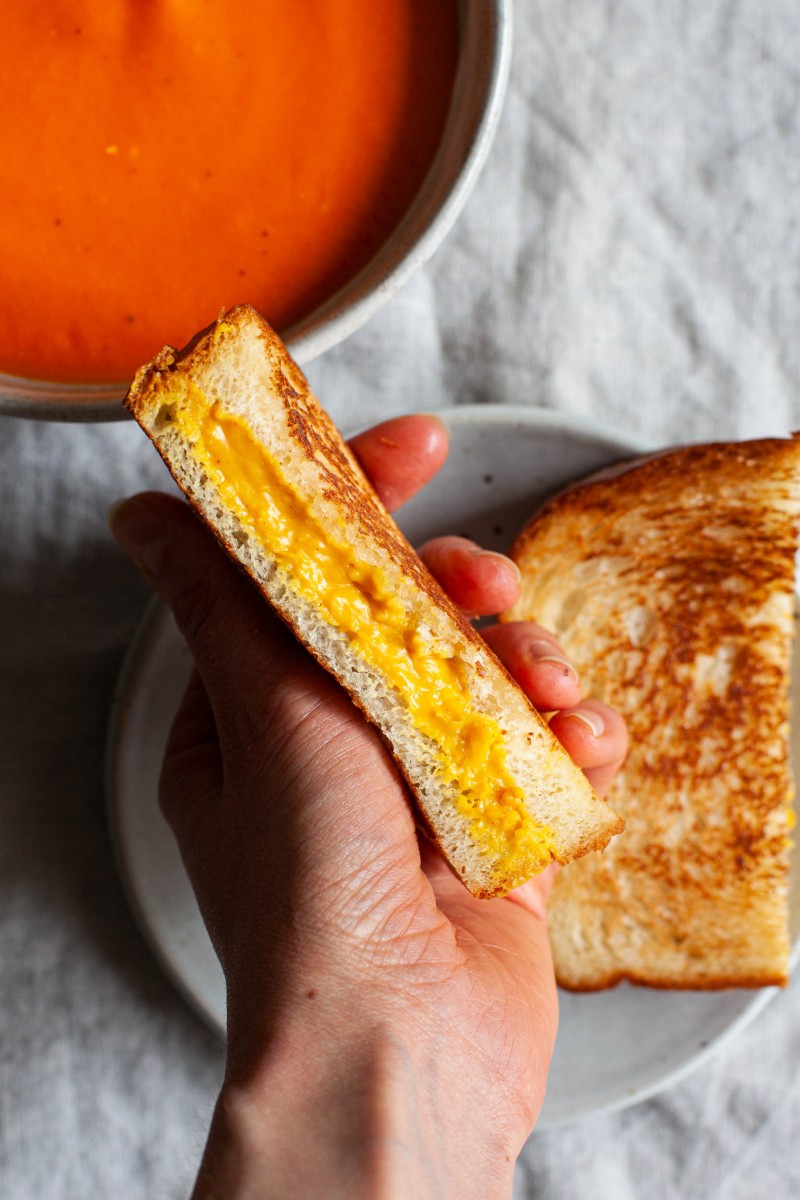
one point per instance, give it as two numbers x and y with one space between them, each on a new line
259 459
670 585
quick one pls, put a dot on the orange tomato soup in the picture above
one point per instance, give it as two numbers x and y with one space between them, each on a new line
162 159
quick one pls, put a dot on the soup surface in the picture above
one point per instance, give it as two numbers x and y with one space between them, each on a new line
163 159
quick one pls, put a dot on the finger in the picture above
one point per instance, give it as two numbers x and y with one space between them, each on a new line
400 456
534 894
448 888
537 662
596 737
479 581
601 778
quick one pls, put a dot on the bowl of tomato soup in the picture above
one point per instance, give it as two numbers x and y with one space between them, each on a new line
163 161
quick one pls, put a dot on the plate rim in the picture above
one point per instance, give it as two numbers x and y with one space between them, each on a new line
134 666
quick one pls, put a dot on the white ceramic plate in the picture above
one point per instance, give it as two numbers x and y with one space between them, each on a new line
614 1048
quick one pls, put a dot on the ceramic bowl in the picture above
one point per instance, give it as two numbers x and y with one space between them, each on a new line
478 92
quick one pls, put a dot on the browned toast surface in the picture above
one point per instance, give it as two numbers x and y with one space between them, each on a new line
671 588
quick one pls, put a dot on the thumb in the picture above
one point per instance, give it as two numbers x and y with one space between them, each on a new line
297 758
248 662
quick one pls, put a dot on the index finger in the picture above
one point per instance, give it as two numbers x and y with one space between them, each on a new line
400 456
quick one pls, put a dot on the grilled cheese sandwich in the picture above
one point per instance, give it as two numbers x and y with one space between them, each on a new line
670 585
257 456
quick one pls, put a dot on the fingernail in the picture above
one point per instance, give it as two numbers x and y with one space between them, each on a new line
500 558
591 719
542 651
140 532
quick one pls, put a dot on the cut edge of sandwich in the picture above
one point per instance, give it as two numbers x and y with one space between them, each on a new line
266 469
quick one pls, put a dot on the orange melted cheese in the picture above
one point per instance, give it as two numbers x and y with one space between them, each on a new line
356 598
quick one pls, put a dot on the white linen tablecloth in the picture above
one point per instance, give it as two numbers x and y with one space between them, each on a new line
631 253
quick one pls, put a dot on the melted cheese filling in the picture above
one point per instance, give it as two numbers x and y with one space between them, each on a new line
356 598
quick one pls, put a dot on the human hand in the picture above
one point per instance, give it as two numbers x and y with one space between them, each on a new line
388 1034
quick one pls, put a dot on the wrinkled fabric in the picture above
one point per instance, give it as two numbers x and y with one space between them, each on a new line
630 255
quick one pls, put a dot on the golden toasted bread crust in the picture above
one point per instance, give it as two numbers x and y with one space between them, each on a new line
671 588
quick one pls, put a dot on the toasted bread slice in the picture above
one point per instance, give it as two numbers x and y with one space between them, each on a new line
262 463
671 588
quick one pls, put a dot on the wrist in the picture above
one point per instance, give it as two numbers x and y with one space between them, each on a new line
371 1110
